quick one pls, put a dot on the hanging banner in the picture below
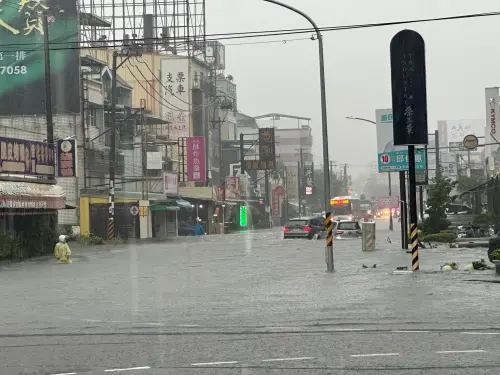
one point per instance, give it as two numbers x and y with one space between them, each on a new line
232 188
308 179
409 92
491 135
66 157
278 193
196 159
170 185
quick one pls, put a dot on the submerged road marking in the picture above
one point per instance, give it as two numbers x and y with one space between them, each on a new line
480 333
344 329
460 351
374 355
66 373
128 369
410 331
214 363
287 359
188 325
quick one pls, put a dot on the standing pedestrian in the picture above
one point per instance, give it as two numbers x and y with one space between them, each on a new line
62 251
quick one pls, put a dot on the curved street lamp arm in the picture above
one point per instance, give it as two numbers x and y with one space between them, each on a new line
297 11
360 119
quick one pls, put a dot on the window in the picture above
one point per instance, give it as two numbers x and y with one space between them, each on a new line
352 225
297 222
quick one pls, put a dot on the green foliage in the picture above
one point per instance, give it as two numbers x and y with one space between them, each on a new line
465 183
443 237
438 195
480 265
495 255
482 219
30 236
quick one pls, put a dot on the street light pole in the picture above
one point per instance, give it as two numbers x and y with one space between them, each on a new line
324 122
391 223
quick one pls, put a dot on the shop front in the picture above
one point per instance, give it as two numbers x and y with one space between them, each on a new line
28 218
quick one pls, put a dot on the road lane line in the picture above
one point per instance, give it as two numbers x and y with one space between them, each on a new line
287 359
410 331
154 324
128 369
91 320
374 355
480 333
188 325
214 363
66 373
460 351
344 329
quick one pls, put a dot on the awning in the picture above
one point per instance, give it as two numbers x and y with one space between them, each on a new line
163 207
183 203
29 195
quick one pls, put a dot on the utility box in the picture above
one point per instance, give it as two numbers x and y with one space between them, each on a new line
368 236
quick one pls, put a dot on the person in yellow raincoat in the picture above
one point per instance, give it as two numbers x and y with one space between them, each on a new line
62 251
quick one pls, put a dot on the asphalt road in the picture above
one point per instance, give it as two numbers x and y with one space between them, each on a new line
249 303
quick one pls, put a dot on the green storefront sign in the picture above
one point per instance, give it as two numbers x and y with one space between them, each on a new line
22 65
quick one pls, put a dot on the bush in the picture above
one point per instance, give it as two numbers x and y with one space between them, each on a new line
482 219
91 240
495 255
444 237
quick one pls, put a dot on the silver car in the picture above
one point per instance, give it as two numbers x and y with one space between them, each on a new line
347 229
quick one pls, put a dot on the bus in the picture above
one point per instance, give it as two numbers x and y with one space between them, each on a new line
346 208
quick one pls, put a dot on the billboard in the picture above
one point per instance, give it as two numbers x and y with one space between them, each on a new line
22 64
176 97
196 159
393 158
307 180
66 157
267 148
491 135
21 157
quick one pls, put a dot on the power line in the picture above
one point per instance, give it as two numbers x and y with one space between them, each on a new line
258 34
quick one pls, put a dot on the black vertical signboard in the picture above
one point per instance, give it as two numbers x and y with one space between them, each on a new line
267 152
409 97
409 113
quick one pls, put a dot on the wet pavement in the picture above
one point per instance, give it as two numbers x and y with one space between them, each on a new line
249 303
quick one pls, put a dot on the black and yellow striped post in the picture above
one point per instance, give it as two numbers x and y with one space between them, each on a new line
414 247
329 242
111 229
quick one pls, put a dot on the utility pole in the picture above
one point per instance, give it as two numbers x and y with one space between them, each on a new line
301 182
391 224
403 210
438 162
242 154
112 146
144 154
48 84
299 190
346 188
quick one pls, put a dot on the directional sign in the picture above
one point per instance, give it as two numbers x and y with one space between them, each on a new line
134 210
470 142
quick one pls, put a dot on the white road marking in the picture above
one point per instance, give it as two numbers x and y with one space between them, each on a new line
66 373
188 325
295 328
214 363
120 321
128 369
374 355
480 333
287 359
91 320
460 351
344 329
154 324
410 331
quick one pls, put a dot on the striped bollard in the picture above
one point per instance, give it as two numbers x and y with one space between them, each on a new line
329 242
415 265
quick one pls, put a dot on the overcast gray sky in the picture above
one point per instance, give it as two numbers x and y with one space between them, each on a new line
462 58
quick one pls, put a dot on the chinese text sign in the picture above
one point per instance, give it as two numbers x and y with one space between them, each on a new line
409 93
21 157
196 159
66 158
267 152
393 158
176 108
22 67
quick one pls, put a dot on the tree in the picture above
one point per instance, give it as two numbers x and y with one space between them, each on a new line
465 183
438 195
